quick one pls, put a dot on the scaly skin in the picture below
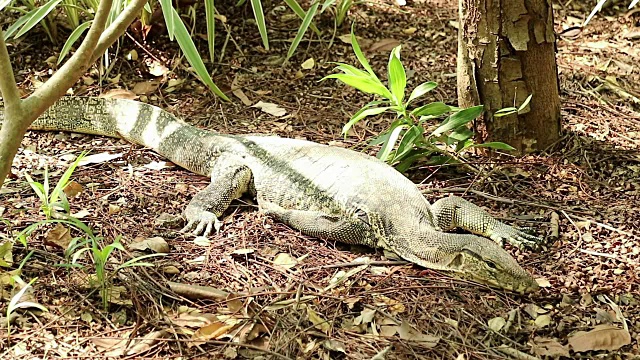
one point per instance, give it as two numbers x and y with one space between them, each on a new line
323 191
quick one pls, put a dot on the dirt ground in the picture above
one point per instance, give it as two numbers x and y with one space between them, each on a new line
288 296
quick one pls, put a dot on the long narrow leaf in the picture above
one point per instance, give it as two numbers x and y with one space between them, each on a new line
363 113
64 180
303 29
493 145
293 5
72 39
421 90
4 3
258 13
458 119
40 14
210 11
389 145
352 70
16 25
37 187
364 84
169 19
432 109
397 76
192 55
359 54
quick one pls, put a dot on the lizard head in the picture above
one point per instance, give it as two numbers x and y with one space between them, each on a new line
484 261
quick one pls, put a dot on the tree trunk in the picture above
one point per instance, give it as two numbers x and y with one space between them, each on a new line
506 51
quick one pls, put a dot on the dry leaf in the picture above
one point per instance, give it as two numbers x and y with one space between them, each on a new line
384 45
6 254
317 321
542 282
406 332
410 31
241 95
542 321
334 345
119 94
59 236
497 323
156 68
98 158
602 337
270 108
146 87
214 330
548 347
72 189
308 64
155 244
285 260
365 317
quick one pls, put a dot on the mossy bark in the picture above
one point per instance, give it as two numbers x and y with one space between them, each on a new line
506 51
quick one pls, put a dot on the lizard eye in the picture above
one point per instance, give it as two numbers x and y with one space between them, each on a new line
491 264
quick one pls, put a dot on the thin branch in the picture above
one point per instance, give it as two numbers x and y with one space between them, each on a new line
117 27
71 71
8 87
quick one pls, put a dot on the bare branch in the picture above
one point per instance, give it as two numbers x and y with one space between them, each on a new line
118 27
8 87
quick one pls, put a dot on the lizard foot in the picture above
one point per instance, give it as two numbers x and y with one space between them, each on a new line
202 223
519 237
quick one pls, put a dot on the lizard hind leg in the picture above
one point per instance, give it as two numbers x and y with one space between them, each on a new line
455 212
320 224
230 179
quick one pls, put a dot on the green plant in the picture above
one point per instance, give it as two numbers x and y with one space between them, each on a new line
56 199
513 110
100 258
342 9
407 140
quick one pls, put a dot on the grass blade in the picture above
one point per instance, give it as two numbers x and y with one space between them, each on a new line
303 29
210 11
167 12
72 39
258 13
37 16
293 5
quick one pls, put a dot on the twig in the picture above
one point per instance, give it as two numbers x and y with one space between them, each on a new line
358 263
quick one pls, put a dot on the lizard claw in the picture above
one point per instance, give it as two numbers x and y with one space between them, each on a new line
519 237
202 223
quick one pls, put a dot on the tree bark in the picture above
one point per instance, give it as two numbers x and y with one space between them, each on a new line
19 114
506 51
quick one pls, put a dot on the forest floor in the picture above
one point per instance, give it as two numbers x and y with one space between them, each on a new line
285 295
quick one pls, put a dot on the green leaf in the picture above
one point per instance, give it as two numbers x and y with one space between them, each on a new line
494 145
361 114
64 180
432 109
210 12
16 25
421 90
37 188
458 119
326 4
461 134
4 3
192 55
169 20
258 14
390 144
412 157
505 112
525 103
408 141
295 6
361 58
303 29
397 76
72 39
37 16
364 84
352 70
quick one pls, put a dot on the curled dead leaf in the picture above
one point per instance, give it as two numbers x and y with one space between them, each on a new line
602 337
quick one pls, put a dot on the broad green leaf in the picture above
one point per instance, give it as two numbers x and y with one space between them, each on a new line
192 55
408 140
364 84
303 29
458 119
421 90
412 157
363 113
525 103
210 12
461 134
258 13
494 145
432 109
37 16
72 39
352 70
356 49
391 143
169 20
397 76
4 3
295 6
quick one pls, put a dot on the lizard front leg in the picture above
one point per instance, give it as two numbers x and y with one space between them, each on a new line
229 180
455 212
